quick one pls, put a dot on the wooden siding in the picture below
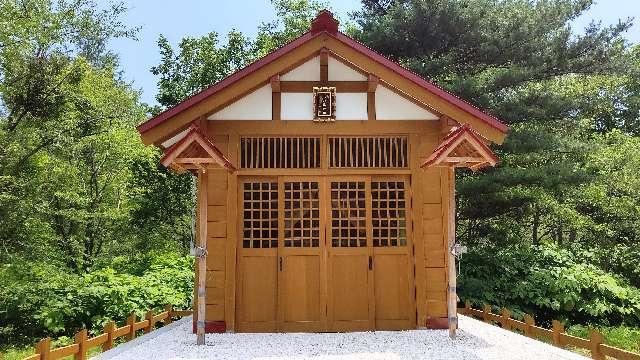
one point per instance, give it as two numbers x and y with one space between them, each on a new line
428 214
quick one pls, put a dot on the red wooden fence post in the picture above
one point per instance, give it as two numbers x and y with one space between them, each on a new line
530 323
506 315
131 321
595 339
486 315
108 329
558 328
169 309
81 340
149 318
43 347
467 307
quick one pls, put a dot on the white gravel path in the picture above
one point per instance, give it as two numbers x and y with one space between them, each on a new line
476 340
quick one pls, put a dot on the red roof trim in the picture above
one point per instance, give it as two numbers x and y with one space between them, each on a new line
429 86
197 98
451 138
194 131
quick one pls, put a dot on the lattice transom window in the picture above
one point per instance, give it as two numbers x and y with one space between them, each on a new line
260 215
388 207
301 214
279 152
368 152
348 214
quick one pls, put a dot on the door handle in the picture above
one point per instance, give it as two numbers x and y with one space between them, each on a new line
370 263
280 263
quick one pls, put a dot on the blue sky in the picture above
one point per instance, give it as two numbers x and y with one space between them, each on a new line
177 19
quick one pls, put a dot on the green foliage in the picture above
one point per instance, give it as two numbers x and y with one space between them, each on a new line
550 282
623 337
40 299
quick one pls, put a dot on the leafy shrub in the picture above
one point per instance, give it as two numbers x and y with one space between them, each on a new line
624 337
38 300
551 283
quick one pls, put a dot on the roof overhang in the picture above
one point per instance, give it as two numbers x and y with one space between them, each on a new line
323 35
195 152
462 148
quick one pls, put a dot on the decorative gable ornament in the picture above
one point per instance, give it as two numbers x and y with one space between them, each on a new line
324 104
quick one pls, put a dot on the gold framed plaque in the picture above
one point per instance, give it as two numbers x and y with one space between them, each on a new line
324 104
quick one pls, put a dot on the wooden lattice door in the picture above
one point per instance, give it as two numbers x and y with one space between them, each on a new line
325 254
392 253
350 282
281 281
301 256
258 255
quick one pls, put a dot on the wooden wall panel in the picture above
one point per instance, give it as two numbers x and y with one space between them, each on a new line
216 240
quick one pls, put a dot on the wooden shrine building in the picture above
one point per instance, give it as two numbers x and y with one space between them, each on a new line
325 188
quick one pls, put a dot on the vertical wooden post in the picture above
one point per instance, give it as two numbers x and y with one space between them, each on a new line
202 253
169 309
108 329
558 328
131 321
451 264
530 322
486 313
81 340
595 339
43 347
149 318
506 315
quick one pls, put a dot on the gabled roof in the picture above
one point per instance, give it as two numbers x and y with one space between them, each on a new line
462 148
324 34
195 150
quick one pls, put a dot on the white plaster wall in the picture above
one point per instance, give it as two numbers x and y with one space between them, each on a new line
296 106
308 71
254 106
341 72
351 106
391 106
175 138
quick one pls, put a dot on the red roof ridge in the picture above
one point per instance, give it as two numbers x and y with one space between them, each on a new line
324 23
228 80
493 121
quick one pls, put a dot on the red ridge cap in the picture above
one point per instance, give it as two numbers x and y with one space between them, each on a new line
324 22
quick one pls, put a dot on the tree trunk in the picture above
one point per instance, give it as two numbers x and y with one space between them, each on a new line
536 226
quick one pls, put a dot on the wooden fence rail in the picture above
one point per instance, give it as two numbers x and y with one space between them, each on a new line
82 342
557 336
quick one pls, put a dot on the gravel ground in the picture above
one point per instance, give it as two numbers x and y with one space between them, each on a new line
476 340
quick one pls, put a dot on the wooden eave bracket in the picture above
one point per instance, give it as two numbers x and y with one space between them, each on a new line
463 135
173 160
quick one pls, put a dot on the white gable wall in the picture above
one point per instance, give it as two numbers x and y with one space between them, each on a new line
341 72
299 106
391 106
296 106
308 71
254 106
351 106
